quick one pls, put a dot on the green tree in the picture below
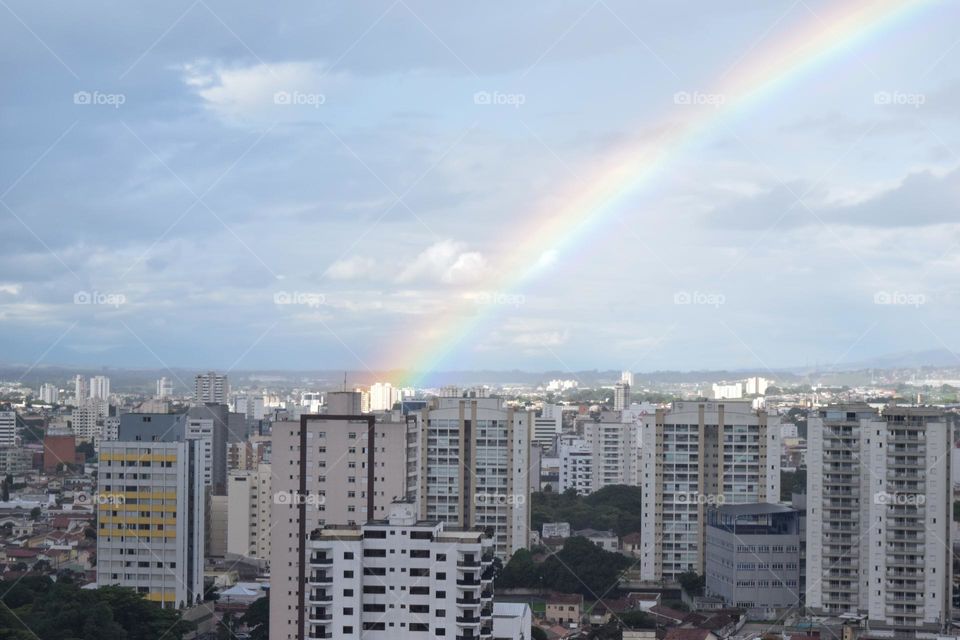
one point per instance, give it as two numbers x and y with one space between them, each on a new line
257 619
692 582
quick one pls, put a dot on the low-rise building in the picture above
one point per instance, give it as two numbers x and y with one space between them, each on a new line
563 608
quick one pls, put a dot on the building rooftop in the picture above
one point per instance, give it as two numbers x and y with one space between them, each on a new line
755 508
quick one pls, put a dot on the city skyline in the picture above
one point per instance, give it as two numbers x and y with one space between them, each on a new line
280 193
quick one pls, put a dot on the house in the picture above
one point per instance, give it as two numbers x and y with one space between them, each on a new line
630 544
689 634
667 616
512 621
606 540
564 608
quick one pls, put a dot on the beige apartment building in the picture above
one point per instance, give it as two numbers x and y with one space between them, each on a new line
328 469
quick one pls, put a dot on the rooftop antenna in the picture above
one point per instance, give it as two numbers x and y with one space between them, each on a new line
344 380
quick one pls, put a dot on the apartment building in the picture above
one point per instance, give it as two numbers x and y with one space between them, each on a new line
249 506
698 454
150 519
328 470
548 426
8 428
576 465
879 505
211 387
87 418
474 467
394 579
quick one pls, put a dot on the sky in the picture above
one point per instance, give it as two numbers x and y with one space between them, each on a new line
398 185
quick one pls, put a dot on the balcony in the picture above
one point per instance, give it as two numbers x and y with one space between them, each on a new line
320 597
468 563
468 620
318 578
321 560
468 602
469 582
320 635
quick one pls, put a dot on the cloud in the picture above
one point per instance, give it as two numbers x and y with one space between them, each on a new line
353 268
446 262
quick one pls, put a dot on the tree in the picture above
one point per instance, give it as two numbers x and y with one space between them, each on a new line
614 507
257 618
35 513
537 633
692 582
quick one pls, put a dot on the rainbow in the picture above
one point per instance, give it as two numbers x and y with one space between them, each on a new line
558 226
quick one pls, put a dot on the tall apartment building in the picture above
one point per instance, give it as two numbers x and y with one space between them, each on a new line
81 389
249 503
576 465
49 394
211 424
164 388
8 428
879 505
397 578
621 396
87 419
100 388
383 395
548 426
474 463
211 387
328 469
151 519
614 439
696 455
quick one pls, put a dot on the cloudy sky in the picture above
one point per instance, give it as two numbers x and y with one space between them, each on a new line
368 185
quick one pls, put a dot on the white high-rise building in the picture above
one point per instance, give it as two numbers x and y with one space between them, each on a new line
696 455
211 387
151 520
87 418
756 386
8 428
576 465
164 388
100 388
548 426
49 394
249 503
81 389
627 377
879 507
727 391
383 396
392 579
474 467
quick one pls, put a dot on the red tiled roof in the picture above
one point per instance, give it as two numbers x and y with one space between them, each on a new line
687 634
